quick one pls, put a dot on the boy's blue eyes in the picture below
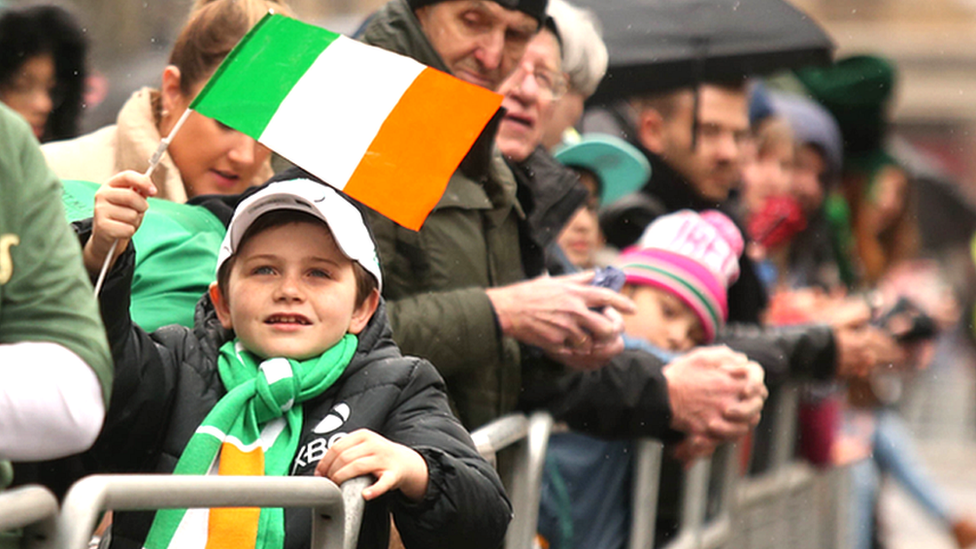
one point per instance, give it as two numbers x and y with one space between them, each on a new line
267 270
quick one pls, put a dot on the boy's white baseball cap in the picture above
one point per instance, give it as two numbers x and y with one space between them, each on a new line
319 200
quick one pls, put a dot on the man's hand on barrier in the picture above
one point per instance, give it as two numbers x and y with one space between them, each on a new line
694 447
564 316
861 350
715 392
362 452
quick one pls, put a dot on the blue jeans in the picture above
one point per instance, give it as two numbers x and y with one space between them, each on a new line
894 454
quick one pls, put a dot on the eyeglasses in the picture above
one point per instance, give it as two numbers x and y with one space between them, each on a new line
552 85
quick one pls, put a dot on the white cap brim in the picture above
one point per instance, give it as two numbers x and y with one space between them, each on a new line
316 199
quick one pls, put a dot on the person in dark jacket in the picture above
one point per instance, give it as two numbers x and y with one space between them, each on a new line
700 174
691 174
549 192
291 347
457 291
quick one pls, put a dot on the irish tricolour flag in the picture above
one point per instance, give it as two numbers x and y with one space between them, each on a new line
385 129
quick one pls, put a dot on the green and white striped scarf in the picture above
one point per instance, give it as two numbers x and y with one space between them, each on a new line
240 436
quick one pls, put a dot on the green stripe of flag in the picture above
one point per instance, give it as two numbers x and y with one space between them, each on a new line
260 71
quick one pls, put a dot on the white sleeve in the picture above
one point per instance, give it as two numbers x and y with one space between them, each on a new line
50 402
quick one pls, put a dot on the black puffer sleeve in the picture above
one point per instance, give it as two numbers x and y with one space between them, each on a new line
626 398
145 377
465 504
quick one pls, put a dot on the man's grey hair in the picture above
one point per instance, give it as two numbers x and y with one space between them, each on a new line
584 53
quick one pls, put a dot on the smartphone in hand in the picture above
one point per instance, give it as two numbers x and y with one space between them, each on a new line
609 277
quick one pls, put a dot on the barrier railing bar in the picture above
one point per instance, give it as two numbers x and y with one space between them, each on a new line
787 480
784 426
353 506
526 487
33 508
91 495
26 505
694 498
645 490
718 531
783 479
500 433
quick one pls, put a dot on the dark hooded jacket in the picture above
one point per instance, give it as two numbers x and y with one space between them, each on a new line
796 353
435 279
550 194
434 284
624 221
167 382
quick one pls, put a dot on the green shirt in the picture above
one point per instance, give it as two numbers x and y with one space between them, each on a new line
176 256
45 293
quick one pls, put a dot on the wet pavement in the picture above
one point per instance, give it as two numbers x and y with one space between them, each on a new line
942 414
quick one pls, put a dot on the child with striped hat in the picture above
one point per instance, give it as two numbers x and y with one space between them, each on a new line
678 275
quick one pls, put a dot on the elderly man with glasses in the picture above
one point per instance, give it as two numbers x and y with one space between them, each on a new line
456 292
463 291
548 192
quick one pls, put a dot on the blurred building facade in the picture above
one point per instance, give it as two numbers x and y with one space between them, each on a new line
933 44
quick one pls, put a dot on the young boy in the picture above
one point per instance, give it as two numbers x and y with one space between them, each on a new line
678 276
292 353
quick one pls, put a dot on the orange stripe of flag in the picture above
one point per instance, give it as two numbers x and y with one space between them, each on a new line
407 166
236 527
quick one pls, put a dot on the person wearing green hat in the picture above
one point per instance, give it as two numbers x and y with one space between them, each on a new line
877 189
609 168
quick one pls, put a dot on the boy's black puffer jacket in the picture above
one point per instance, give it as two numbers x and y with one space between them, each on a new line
166 383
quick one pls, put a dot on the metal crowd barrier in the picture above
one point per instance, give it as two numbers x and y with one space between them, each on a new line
648 454
32 508
528 438
336 513
791 504
696 529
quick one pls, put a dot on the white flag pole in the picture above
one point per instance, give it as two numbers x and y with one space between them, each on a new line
153 162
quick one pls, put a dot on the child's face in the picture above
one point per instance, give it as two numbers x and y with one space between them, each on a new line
662 319
768 174
292 293
581 238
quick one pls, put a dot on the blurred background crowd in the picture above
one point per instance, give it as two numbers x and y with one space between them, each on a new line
907 177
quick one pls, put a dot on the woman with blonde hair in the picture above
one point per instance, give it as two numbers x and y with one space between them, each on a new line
205 157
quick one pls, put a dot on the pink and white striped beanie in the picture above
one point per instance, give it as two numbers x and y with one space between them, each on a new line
695 256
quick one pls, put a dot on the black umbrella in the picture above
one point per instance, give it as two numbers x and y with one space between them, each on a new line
658 45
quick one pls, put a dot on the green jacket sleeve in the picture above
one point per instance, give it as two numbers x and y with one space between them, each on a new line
453 329
176 255
45 293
